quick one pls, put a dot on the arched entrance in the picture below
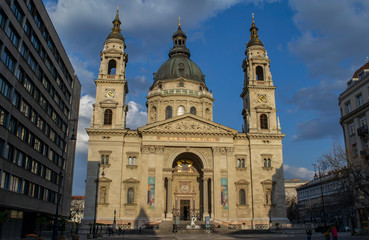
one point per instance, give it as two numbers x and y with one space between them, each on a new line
185 189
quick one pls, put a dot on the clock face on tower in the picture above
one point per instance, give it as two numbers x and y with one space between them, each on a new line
262 98
109 93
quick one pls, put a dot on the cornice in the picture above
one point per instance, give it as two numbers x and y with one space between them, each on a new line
101 131
261 87
186 133
266 135
111 81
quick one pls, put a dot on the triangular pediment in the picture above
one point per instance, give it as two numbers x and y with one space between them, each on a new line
188 123
242 182
108 103
131 180
104 179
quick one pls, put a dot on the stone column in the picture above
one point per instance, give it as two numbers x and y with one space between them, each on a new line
169 201
206 201
212 203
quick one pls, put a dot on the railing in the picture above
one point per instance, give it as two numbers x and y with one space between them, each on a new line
362 131
181 92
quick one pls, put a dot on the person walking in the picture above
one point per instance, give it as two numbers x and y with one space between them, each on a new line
308 233
334 232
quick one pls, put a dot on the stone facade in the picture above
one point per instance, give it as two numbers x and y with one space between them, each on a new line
182 163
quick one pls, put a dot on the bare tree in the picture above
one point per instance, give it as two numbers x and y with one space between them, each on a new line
352 171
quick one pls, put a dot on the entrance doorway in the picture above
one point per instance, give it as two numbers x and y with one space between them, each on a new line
185 208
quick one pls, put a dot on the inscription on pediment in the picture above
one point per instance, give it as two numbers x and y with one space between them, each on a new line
189 125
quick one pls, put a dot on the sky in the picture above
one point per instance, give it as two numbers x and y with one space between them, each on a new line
315 47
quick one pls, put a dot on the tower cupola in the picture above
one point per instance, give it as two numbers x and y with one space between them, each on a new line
115 31
254 38
179 43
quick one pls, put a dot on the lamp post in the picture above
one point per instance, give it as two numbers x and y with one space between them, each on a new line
322 195
56 217
94 230
114 222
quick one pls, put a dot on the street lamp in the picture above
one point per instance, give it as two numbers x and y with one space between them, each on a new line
322 195
56 218
114 222
96 193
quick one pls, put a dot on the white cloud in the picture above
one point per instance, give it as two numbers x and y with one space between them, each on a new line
85 112
136 116
297 172
332 31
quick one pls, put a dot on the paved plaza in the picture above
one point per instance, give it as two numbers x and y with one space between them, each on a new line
274 236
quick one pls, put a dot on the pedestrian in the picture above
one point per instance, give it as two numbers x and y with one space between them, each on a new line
308 233
140 230
333 230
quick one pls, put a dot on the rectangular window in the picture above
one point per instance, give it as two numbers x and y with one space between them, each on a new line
3 118
51 45
28 84
348 107
12 35
5 88
8 60
20 74
3 19
31 7
27 28
38 20
363 122
35 41
17 12
24 51
25 108
352 129
15 99
359 99
5 180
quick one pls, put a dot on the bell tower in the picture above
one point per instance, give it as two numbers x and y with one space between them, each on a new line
259 111
110 109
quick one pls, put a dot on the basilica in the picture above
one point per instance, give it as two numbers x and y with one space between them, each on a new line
181 163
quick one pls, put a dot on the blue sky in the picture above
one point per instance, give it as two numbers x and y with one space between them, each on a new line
314 47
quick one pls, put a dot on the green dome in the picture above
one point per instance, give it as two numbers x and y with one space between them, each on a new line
179 66
117 35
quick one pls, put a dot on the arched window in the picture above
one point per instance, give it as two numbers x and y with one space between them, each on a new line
193 110
134 161
130 161
269 162
242 197
102 159
181 110
102 198
263 121
107 159
112 65
168 112
108 116
265 162
238 163
130 196
259 73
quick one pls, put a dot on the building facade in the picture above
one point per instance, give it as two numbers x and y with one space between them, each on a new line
325 200
182 163
354 106
39 103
